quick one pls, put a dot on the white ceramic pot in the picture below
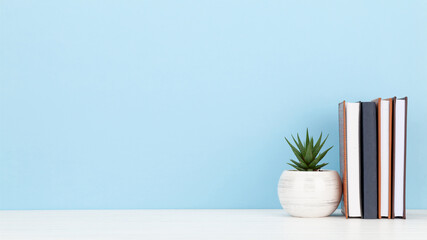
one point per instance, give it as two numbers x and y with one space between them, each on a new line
310 193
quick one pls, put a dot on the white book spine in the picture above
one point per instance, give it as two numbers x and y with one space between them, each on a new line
385 156
353 159
399 158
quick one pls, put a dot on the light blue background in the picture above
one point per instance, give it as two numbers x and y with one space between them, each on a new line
184 104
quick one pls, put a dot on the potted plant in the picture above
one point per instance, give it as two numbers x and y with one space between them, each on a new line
309 191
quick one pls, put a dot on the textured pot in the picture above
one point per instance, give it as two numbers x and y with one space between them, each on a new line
310 194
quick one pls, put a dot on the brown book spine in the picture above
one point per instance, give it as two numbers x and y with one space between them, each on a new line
343 154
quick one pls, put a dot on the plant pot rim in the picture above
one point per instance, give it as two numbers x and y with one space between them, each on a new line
307 172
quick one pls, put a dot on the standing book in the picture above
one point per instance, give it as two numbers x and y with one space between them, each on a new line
385 131
369 160
400 106
349 119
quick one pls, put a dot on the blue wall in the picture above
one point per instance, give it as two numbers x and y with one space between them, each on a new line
184 104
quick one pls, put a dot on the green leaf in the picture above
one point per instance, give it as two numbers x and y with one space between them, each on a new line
297 168
300 147
297 154
309 154
320 166
311 143
317 160
316 146
320 147
300 143
307 139
300 164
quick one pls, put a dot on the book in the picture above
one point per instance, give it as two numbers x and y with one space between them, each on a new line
400 107
349 117
384 120
369 160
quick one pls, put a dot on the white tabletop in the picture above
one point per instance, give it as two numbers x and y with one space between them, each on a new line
202 224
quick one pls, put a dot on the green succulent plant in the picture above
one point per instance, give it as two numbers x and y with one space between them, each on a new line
308 154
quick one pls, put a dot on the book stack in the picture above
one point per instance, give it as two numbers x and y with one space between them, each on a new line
373 157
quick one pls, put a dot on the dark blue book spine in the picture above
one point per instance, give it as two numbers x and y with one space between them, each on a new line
369 160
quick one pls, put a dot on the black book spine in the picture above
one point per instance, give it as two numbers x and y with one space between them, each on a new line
369 160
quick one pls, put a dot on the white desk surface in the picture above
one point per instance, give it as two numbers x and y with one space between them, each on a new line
202 224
